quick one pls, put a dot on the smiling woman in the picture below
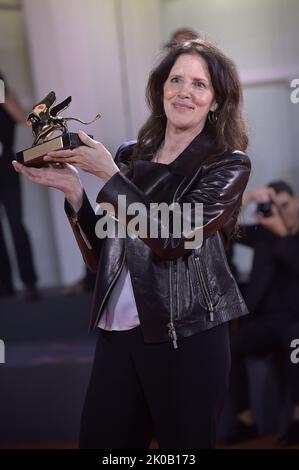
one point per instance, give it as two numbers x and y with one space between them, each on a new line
188 94
160 306
195 86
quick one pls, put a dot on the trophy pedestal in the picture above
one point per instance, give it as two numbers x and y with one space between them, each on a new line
33 156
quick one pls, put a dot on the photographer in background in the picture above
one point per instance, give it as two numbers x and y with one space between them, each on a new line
272 296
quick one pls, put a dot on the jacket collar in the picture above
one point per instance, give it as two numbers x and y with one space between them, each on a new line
199 149
188 162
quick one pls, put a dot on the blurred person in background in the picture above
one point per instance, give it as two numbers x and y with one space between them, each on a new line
180 36
272 296
11 113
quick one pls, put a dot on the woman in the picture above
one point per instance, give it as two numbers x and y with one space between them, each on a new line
162 360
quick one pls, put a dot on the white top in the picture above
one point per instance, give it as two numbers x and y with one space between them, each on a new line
120 312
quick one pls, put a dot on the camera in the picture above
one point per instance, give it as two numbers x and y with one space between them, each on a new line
264 209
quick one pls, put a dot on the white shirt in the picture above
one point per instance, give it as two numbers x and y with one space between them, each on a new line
120 312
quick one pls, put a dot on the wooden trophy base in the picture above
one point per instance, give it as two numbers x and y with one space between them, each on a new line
33 156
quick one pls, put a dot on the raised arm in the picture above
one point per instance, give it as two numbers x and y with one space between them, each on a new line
220 191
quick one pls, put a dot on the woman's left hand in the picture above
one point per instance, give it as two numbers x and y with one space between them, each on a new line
92 157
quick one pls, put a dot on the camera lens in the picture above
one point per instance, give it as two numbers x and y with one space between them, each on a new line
265 208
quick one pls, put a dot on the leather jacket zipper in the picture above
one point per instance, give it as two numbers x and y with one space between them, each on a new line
171 328
204 287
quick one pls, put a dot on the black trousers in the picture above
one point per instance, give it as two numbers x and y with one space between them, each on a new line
10 200
257 337
140 390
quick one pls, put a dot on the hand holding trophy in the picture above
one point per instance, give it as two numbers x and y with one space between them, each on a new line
44 120
53 163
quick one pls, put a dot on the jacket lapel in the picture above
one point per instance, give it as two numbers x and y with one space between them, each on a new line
160 181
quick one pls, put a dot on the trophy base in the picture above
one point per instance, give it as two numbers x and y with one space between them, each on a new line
33 156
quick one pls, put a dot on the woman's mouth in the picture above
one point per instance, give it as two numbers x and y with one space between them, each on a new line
182 106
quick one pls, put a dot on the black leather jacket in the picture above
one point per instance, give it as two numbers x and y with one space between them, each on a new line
178 291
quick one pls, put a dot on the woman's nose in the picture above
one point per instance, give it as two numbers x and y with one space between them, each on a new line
185 90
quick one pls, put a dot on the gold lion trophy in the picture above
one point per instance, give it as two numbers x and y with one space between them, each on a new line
44 120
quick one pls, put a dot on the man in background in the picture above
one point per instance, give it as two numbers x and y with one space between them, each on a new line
272 296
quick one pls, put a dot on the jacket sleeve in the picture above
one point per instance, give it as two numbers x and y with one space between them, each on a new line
219 189
83 225
84 221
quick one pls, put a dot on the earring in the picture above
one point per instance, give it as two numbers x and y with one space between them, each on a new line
213 117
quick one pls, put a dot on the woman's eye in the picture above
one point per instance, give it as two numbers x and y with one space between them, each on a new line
199 85
175 80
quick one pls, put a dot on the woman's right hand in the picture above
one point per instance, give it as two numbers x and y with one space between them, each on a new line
65 178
